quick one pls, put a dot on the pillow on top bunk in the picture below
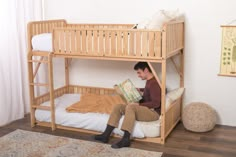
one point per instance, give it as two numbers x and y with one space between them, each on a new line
42 42
159 19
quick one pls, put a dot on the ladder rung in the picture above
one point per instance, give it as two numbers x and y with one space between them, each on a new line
41 107
40 61
39 84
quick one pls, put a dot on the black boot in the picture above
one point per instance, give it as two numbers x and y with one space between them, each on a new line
124 142
104 137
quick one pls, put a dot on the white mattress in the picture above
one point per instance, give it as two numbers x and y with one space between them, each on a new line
92 121
42 42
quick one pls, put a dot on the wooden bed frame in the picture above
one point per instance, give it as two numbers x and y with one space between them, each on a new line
106 42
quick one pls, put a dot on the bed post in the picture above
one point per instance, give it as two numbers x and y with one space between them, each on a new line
30 76
163 87
31 90
163 100
51 90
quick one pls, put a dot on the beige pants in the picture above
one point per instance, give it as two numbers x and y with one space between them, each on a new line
131 113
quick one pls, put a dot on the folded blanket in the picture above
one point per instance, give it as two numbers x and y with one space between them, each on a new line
95 103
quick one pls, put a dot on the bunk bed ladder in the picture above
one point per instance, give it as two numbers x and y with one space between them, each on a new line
32 74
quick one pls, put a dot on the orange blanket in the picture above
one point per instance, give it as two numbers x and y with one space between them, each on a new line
95 103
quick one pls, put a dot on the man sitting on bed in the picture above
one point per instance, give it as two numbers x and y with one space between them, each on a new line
148 109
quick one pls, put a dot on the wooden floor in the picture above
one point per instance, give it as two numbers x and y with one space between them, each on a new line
221 142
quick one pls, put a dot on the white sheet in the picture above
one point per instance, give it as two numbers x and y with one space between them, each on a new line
42 42
92 121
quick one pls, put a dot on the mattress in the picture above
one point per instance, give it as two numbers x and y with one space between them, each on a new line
92 121
42 42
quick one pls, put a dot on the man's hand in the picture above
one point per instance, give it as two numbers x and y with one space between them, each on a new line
140 92
133 104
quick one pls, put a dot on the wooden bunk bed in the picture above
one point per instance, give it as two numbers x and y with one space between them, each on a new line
105 42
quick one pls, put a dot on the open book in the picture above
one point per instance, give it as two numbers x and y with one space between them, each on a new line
128 92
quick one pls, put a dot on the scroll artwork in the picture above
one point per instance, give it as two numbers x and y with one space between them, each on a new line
228 51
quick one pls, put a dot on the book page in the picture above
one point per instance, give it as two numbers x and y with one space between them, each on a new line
128 91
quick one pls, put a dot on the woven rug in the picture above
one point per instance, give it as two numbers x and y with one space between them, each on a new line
21 143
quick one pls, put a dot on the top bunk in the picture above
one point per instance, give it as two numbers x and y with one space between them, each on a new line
105 41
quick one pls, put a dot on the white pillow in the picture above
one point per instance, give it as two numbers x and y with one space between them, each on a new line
175 94
137 131
168 101
160 18
151 129
143 24
42 42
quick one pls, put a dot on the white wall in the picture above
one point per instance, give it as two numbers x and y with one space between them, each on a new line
202 50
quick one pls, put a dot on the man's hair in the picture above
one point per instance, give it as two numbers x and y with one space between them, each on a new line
142 65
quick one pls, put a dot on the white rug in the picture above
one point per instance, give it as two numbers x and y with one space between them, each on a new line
32 144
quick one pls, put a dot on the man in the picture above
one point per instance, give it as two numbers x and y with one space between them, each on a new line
148 109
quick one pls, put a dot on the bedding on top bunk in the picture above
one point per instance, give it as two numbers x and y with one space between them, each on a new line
98 121
42 42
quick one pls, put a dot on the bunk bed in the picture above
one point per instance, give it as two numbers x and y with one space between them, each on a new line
104 42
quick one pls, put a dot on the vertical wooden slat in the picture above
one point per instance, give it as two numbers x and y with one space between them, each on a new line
90 40
62 41
50 27
167 41
169 33
68 37
119 44
36 29
56 41
72 41
138 43
95 42
44 28
101 42
131 44
107 43
164 43
84 42
151 44
78 41
125 43
144 44
39 28
113 43
157 44
32 30
174 40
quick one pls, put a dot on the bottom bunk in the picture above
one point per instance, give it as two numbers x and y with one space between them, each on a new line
96 122
91 121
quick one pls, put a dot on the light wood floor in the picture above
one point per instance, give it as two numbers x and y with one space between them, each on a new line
221 142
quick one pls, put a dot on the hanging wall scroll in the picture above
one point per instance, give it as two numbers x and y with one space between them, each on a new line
228 51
